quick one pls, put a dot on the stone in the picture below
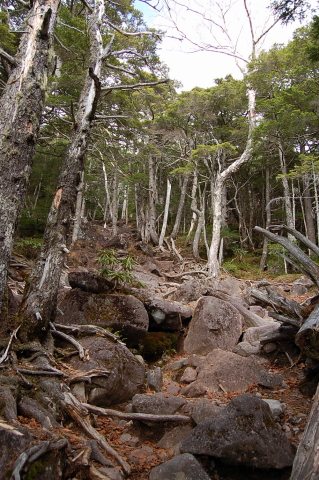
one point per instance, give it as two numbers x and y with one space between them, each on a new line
189 375
225 371
122 313
173 388
173 437
158 404
194 390
89 282
126 373
111 473
181 467
229 285
182 362
215 324
277 408
190 291
297 289
155 379
204 409
243 433
270 347
245 349
270 380
254 334
166 314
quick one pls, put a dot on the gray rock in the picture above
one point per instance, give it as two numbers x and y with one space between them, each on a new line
243 433
245 349
181 467
89 282
270 347
166 314
111 473
155 379
277 408
297 289
215 324
123 313
228 285
190 291
126 372
182 362
173 437
189 375
270 380
228 371
159 404
254 334
173 388
194 390
204 409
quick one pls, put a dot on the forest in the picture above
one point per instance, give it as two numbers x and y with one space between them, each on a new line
94 130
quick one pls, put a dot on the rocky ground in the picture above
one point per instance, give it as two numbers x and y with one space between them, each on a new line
146 445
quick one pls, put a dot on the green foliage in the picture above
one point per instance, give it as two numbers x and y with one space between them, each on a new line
155 344
28 247
115 268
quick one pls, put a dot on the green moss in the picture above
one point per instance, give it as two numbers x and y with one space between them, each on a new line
156 343
35 471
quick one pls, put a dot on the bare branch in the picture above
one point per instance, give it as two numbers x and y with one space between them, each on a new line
130 34
8 57
70 26
134 85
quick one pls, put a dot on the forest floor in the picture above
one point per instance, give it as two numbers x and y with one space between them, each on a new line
136 441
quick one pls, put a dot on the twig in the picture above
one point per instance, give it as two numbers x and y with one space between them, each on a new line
12 336
42 372
107 412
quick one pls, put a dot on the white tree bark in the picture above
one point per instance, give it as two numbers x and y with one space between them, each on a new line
221 178
166 210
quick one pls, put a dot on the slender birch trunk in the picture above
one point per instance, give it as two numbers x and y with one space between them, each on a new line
21 106
180 208
264 255
166 210
39 302
152 190
307 202
221 178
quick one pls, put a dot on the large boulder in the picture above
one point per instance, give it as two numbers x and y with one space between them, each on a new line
184 467
123 313
215 324
242 433
166 314
126 372
225 371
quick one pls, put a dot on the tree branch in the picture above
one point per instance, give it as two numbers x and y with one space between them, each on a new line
134 85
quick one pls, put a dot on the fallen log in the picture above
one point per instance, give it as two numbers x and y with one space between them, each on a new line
310 267
306 462
307 338
281 304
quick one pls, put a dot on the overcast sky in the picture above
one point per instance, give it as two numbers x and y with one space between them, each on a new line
202 67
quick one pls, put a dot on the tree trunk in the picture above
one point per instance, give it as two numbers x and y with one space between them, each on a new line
268 220
152 200
115 198
164 226
307 337
21 105
78 212
180 208
310 225
306 462
39 302
221 178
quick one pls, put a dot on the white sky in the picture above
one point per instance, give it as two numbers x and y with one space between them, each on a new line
202 67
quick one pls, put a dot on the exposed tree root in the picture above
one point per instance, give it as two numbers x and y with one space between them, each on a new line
25 460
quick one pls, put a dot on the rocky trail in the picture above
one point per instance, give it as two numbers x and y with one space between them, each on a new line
202 383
